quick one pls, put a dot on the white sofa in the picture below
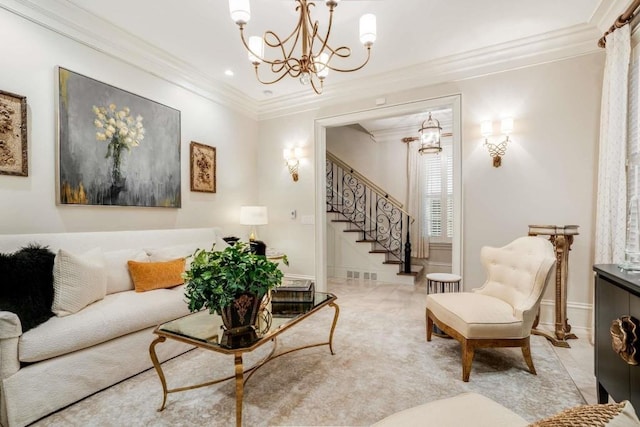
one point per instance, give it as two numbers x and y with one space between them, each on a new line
68 358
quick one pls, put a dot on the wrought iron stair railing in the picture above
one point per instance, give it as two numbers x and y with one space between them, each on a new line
371 210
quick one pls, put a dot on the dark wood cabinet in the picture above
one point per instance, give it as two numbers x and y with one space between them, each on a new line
617 294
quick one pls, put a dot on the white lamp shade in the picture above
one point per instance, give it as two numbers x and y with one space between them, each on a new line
253 215
506 126
292 154
240 11
486 128
368 29
256 45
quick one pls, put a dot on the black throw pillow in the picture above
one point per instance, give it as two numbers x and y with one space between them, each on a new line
26 284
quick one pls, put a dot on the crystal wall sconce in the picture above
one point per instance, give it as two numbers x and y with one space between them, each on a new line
499 149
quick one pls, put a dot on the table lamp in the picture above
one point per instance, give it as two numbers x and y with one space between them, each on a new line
253 215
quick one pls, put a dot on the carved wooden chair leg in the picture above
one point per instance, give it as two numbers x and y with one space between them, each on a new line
526 352
468 351
429 326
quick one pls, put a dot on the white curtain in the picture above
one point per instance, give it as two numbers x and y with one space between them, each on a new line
612 187
416 201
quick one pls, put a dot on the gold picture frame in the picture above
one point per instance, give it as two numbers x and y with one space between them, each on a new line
203 167
13 134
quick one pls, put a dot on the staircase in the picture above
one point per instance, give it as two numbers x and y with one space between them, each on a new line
372 217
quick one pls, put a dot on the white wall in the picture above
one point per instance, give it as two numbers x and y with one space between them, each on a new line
30 54
280 194
547 177
383 161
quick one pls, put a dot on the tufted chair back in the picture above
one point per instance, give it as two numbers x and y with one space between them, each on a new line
518 274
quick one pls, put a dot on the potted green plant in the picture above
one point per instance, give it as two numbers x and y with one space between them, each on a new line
231 282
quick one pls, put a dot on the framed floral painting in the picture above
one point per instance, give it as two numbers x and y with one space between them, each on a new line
203 168
115 147
13 134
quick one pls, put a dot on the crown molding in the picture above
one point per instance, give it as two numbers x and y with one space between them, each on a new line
553 46
607 12
80 25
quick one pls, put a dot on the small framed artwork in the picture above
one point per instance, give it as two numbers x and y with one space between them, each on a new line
13 134
203 168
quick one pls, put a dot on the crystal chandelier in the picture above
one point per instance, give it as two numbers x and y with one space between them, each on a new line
316 56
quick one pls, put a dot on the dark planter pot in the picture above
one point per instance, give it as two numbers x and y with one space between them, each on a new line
242 312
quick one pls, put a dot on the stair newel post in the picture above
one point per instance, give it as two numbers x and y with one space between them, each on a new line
407 248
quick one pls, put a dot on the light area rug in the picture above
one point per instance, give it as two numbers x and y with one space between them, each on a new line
382 365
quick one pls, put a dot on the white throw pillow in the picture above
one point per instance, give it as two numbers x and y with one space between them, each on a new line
118 277
78 280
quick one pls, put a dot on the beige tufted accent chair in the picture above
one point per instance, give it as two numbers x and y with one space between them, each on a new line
501 312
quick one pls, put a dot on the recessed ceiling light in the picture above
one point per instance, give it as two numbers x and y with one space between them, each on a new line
228 73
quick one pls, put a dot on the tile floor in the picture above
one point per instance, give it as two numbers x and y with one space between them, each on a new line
577 360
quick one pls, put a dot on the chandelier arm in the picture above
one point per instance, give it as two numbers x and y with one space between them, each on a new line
325 45
324 40
348 70
266 61
281 45
315 89
296 32
291 66
276 80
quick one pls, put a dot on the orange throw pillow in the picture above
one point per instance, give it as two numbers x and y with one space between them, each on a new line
147 276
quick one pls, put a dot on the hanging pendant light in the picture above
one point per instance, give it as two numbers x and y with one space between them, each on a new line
430 136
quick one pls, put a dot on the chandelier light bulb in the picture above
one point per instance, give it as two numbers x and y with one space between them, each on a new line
368 29
305 78
240 11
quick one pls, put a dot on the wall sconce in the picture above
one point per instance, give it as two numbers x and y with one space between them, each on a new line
292 159
496 151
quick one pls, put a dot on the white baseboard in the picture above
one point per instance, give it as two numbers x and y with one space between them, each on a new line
579 316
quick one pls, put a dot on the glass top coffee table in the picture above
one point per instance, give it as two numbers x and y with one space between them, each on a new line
205 330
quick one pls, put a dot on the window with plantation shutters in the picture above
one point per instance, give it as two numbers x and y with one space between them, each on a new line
438 193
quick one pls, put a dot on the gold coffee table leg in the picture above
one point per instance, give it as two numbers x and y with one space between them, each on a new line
156 364
239 388
333 325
